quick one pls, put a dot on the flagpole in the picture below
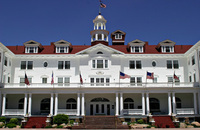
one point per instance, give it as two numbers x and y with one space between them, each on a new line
146 78
119 79
99 7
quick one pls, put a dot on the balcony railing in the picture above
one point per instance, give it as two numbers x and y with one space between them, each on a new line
101 85
14 111
67 111
132 111
180 111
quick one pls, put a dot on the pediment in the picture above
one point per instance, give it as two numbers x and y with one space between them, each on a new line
118 31
166 43
33 43
136 42
62 43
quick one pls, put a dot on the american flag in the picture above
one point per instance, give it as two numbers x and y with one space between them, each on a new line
26 80
52 79
150 75
102 5
81 80
176 77
123 76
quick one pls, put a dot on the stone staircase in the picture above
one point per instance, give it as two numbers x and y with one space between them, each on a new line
163 122
36 122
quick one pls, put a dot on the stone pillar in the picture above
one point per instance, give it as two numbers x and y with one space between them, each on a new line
4 105
143 104
78 104
29 104
25 104
174 102
169 104
121 104
51 105
56 104
195 103
147 103
83 104
117 105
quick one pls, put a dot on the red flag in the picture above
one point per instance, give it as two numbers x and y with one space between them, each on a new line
81 80
52 79
176 77
26 80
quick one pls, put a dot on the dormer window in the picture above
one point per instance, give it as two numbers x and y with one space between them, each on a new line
118 36
33 47
137 49
62 50
62 46
31 50
167 49
166 46
136 46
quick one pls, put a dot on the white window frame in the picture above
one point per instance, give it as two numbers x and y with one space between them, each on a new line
172 61
193 60
59 48
135 64
133 48
22 80
136 83
64 65
118 35
95 61
65 81
171 49
26 66
31 48
106 81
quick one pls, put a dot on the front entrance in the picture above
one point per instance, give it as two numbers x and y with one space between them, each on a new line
100 106
45 106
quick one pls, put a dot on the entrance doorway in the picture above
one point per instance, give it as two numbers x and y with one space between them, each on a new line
100 106
45 106
154 105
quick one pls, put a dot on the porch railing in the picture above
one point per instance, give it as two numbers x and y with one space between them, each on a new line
132 111
14 111
180 111
67 111
101 85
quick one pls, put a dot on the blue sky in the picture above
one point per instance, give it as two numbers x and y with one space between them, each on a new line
47 21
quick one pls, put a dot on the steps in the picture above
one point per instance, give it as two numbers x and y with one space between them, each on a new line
163 122
36 122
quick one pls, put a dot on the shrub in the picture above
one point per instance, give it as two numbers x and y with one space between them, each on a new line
140 121
60 118
60 126
3 119
13 121
48 127
71 122
10 125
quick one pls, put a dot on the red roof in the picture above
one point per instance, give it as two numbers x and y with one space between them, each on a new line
149 49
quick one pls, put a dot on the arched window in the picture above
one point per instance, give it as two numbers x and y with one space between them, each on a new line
128 103
154 105
21 103
178 102
100 100
45 106
71 103
99 52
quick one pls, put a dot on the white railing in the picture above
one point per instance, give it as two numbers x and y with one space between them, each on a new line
101 85
67 111
132 111
185 111
14 111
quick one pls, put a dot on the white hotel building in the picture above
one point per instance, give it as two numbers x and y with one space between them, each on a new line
102 92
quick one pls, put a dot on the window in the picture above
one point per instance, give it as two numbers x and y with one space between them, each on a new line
178 102
177 81
31 50
8 79
193 60
21 103
62 49
128 103
137 49
5 61
22 81
71 103
100 81
132 64
26 65
167 49
190 78
44 80
45 64
153 63
99 52
172 64
170 79
63 81
63 64
118 36
100 64
134 80
155 79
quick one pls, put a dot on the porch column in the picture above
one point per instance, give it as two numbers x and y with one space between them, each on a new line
147 102
143 104
169 103
195 103
174 102
29 104
4 104
0 102
25 104
51 105
78 104
56 104
121 104
117 105
199 101
83 104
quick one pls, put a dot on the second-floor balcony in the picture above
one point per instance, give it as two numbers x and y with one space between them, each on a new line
100 85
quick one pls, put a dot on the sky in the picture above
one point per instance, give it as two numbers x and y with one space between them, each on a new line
47 21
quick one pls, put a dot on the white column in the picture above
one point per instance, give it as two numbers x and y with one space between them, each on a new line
0 102
101 26
117 105
104 26
199 101
96 36
174 102
195 103
106 38
121 104
147 102
78 104
143 104
83 104
92 39
102 36
25 104
4 104
29 104
51 105
56 104
169 104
